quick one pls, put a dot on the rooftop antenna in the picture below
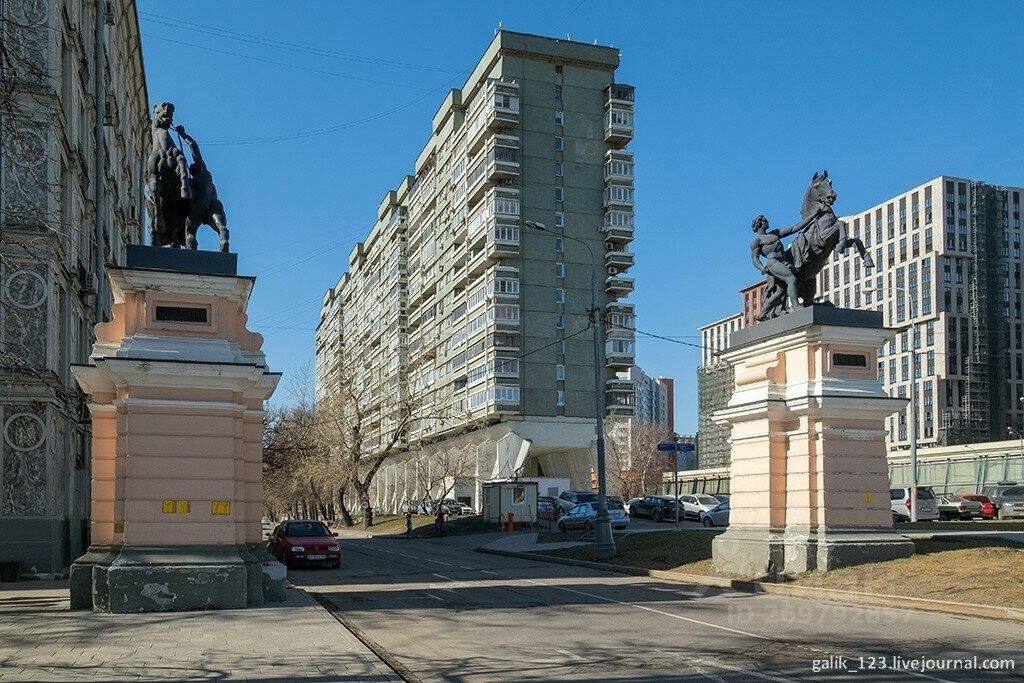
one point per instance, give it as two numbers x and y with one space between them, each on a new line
568 37
497 29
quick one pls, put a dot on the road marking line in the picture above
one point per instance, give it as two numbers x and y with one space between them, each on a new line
745 672
487 571
442 576
571 655
431 595
651 609
447 564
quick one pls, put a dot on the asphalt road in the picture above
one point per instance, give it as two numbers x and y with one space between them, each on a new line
447 613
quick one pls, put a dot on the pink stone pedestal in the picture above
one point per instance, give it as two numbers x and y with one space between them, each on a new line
809 482
177 385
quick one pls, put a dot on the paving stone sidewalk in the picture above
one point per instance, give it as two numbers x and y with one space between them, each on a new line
42 640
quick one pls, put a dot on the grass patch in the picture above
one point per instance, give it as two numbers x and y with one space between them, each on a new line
980 571
569 536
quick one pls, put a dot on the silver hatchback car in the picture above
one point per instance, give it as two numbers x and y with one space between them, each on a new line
584 516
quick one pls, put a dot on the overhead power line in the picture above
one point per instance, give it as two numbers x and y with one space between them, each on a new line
287 65
282 45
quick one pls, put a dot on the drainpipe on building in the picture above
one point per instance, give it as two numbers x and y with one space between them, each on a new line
99 174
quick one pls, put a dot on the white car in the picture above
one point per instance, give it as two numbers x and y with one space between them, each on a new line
466 510
716 516
696 503
927 508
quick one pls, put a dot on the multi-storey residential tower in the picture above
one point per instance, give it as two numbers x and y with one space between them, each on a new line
948 271
73 121
481 323
714 388
653 398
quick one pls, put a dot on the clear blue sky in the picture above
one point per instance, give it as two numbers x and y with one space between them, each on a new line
737 105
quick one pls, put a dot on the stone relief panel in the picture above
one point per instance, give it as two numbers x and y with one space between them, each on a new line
27 185
23 483
24 291
26 36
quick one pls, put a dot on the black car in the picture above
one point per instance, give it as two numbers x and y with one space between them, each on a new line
657 508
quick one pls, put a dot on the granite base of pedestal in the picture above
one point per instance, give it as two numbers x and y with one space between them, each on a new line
760 551
124 579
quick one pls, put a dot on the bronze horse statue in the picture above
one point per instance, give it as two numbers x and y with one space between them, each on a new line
179 197
820 236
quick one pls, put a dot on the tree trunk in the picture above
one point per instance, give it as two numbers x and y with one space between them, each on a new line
346 516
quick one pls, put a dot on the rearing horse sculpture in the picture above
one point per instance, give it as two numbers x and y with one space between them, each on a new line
823 235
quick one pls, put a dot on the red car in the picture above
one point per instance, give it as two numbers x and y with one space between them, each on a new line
988 508
298 542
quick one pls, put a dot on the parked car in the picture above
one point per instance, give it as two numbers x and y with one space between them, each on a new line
716 516
547 508
1011 502
952 506
988 508
451 507
466 510
722 497
567 500
695 503
305 542
995 492
899 518
629 503
899 501
657 508
584 516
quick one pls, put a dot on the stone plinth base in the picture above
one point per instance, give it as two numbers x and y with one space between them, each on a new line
759 551
125 579
808 475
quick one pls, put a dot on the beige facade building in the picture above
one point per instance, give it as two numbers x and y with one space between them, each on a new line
72 132
480 323
949 273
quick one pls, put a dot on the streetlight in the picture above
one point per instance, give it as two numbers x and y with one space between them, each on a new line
913 396
1013 432
604 545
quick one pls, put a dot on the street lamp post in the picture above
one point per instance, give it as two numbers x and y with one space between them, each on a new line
604 544
914 364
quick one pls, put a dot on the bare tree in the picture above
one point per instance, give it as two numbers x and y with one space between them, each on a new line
635 463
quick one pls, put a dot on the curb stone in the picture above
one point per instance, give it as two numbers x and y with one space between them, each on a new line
807 592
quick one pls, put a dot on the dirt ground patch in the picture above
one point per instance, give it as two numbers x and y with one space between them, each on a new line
979 571
423 525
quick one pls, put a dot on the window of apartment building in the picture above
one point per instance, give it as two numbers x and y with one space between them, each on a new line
504 286
824 278
905 368
559 296
927 239
559 245
559 398
1016 275
846 272
947 269
558 92
959 300
915 245
559 322
559 218
559 194
558 143
892 371
558 168
929 333
1016 245
560 372
903 249
559 270
504 312
560 347
559 118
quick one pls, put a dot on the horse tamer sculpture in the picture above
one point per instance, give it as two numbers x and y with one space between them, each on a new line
793 271
179 197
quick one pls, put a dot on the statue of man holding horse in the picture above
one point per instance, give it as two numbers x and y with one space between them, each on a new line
793 272
179 197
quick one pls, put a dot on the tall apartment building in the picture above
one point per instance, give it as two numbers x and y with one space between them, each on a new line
653 398
949 272
453 305
714 388
72 136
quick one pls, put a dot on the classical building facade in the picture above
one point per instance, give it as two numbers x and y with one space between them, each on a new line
948 256
453 306
72 135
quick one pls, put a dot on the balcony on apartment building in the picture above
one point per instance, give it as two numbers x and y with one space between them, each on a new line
620 396
617 284
497 244
497 107
620 259
618 227
619 349
618 98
